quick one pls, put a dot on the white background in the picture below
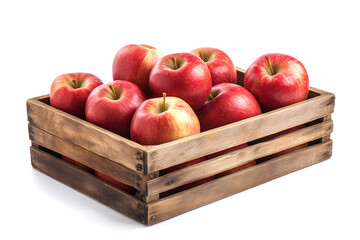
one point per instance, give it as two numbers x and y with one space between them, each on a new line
43 39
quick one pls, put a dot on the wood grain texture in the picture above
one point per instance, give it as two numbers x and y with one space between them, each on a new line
88 184
239 157
226 186
327 137
85 134
86 157
182 150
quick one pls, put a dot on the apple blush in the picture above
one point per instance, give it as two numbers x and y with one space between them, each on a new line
112 105
161 120
226 104
69 92
221 67
181 75
277 80
134 63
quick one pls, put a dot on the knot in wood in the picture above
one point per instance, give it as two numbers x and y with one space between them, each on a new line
142 218
331 101
153 217
170 182
33 153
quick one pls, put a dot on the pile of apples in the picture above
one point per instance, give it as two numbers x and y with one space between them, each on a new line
154 99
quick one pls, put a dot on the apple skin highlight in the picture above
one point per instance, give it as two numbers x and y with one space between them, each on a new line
230 103
114 113
177 121
69 92
182 75
134 63
288 84
221 67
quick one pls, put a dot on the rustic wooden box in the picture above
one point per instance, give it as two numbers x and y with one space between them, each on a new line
54 133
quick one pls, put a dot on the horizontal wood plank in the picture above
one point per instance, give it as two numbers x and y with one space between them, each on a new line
88 184
175 152
85 134
239 157
231 184
86 157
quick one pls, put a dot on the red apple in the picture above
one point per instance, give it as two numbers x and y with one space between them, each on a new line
115 183
221 67
277 80
188 185
161 120
227 103
69 92
278 154
181 75
134 63
112 106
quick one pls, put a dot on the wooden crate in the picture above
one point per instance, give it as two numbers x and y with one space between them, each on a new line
54 133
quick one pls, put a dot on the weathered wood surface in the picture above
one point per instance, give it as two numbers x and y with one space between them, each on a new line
85 134
176 152
327 137
86 157
231 184
239 157
89 185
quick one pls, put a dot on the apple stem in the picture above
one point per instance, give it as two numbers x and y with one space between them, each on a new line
211 96
164 104
75 83
174 61
271 69
202 55
113 91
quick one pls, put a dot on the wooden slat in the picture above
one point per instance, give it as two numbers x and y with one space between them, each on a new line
239 157
88 184
92 160
236 182
327 137
176 152
142 194
240 73
85 134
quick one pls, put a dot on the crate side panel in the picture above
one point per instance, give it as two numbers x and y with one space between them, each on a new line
238 157
85 134
182 150
237 182
88 185
90 159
